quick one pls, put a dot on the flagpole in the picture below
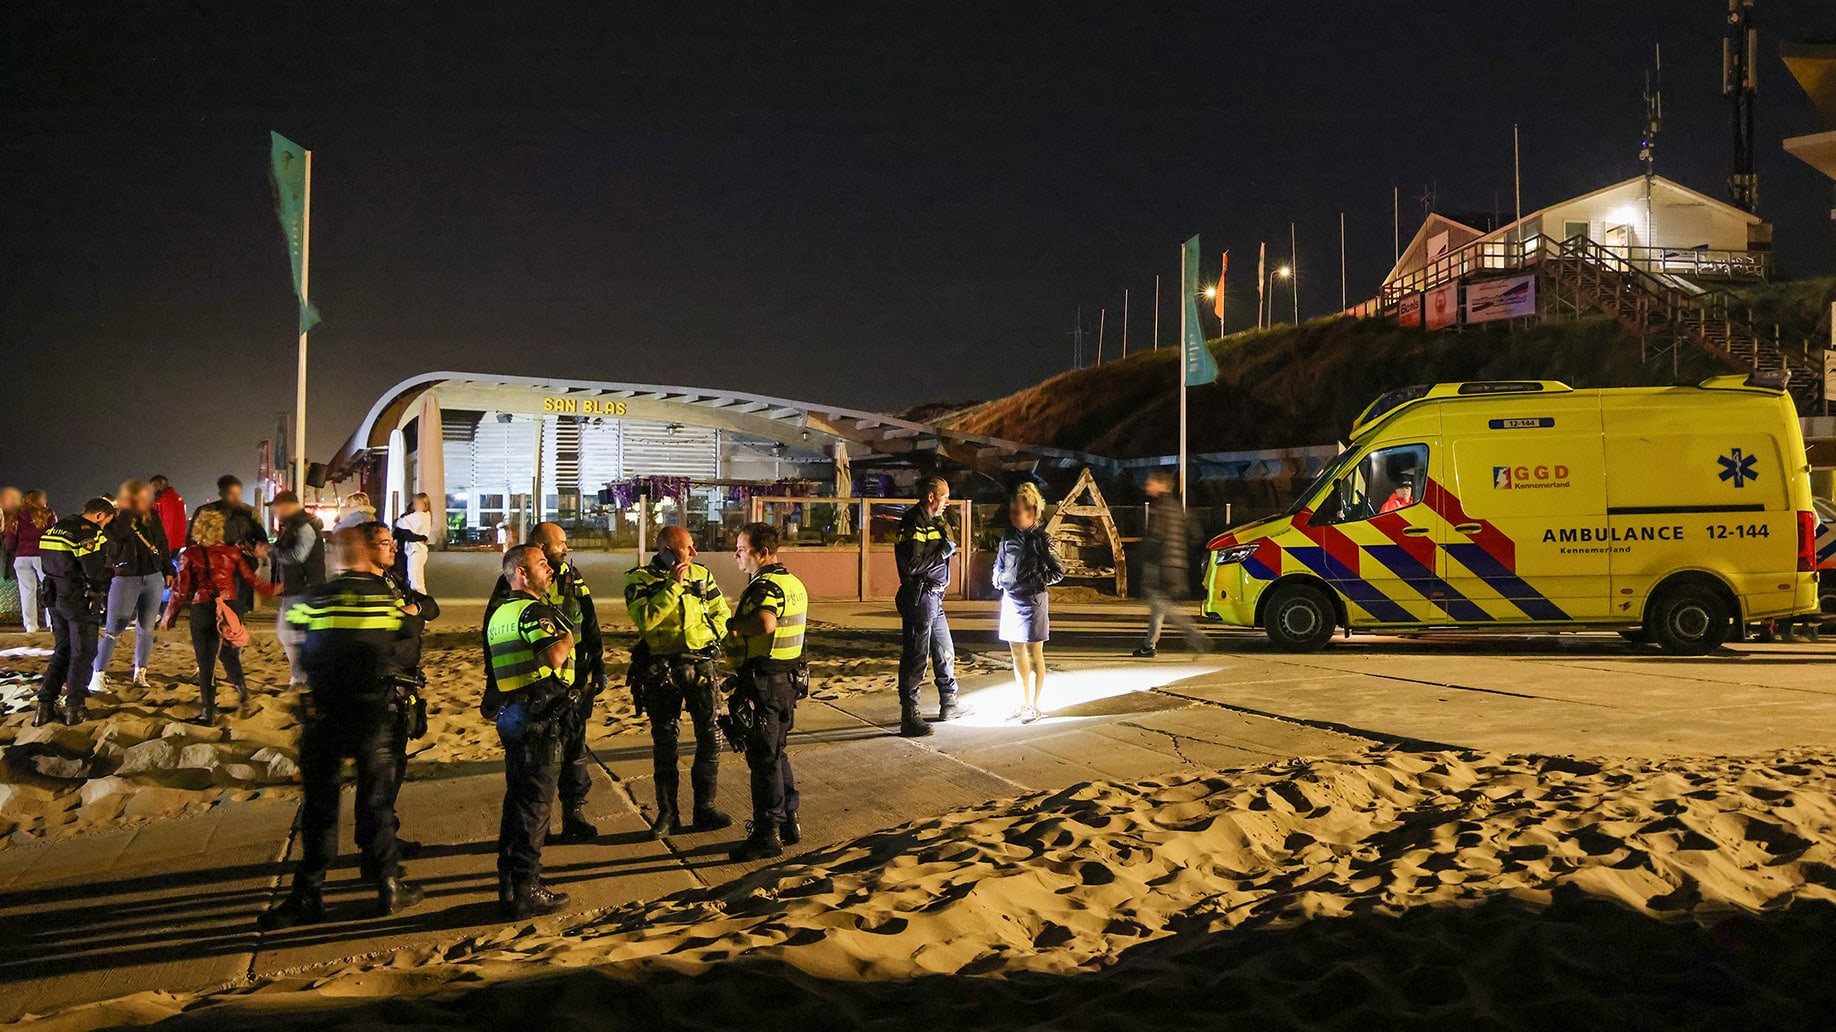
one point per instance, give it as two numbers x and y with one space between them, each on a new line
1293 274
299 395
1185 277
1124 322
1157 311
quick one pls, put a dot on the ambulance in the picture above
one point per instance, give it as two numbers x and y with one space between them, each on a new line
1671 514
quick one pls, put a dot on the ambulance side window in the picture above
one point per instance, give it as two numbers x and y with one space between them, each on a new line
1386 480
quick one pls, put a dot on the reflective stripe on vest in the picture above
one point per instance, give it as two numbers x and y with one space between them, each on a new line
514 662
347 613
787 641
56 540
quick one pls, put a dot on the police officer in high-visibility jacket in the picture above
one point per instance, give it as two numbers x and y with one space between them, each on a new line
76 593
922 552
767 639
568 594
359 638
531 649
681 617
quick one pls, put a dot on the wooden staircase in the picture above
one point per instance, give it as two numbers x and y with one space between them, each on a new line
1598 278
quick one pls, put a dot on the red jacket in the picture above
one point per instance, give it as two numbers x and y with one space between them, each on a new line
206 574
170 508
24 530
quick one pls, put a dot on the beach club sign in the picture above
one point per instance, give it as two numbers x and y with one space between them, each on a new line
1510 298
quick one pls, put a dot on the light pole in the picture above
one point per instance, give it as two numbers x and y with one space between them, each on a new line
1283 272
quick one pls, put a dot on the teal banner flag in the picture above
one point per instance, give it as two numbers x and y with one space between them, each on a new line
1201 368
287 175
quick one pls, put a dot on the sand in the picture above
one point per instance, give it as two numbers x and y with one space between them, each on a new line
58 782
1438 889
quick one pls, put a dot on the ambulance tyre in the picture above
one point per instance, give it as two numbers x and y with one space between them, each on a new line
1299 618
1689 618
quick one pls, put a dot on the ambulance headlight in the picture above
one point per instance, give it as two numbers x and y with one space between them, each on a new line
1230 555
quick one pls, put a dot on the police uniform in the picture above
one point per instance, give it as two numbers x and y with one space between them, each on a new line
357 642
76 593
922 551
680 626
537 703
569 596
410 708
775 676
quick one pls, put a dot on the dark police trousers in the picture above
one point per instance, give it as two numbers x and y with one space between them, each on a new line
673 683
576 765
532 766
924 635
363 731
774 790
73 654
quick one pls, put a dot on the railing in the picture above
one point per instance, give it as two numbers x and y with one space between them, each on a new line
1506 255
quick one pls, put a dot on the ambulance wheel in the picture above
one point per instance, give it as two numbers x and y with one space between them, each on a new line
1689 619
1299 618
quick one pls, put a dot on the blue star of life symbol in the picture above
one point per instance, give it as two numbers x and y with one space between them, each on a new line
1738 467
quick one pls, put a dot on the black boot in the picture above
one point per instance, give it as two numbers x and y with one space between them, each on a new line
303 906
397 893
669 819
707 818
47 712
208 714
789 831
575 827
950 709
762 844
242 698
911 725
74 714
528 899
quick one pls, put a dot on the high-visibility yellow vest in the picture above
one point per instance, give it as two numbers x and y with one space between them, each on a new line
512 637
774 588
676 618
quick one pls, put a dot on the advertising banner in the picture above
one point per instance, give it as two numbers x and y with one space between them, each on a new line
1442 307
1494 299
1409 309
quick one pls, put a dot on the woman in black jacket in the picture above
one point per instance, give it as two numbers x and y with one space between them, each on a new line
1026 564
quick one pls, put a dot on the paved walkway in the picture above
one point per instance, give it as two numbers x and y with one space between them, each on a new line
172 906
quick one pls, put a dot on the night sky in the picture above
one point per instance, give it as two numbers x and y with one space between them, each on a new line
873 206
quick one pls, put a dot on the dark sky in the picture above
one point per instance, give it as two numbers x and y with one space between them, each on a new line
869 205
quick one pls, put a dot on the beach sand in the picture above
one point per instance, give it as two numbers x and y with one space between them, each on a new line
1400 889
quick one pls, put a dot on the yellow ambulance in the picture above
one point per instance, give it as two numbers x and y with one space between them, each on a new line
1669 513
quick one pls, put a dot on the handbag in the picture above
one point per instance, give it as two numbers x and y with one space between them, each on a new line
229 625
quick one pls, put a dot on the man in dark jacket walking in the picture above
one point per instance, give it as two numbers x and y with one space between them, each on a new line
298 563
922 551
1164 580
76 576
242 529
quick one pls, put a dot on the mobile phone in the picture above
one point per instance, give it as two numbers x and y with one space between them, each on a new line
668 558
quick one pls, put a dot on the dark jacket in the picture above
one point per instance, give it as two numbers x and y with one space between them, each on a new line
357 639
1164 548
425 609
1026 562
569 594
240 527
298 558
76 572
136 546
922 551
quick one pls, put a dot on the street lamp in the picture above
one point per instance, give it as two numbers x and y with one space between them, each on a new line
1267 284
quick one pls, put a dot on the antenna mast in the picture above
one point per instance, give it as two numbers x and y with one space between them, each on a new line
1654 122
1740 82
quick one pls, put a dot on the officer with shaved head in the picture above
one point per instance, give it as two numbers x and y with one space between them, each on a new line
681 617
567 593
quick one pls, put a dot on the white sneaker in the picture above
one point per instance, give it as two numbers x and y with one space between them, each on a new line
1030 715
140 678
97 683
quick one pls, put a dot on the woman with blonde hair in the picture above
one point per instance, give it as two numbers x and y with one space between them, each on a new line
1026 564
210 575
23 531
412 532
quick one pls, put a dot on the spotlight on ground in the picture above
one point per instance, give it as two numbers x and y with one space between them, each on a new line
1069 689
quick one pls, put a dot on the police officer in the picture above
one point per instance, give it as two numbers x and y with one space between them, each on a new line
359 637
298 563
680 616
76 587
767 630
922 552
531 658
410 708
568 593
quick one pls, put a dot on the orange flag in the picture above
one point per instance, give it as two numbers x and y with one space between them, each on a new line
1218 303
